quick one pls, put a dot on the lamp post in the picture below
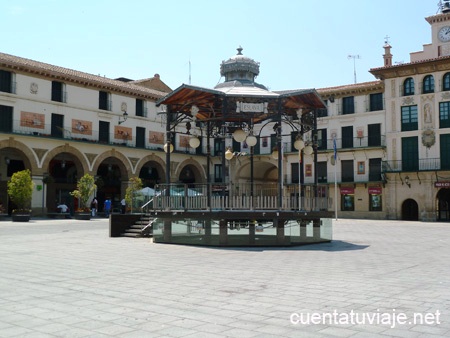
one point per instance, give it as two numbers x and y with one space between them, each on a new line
299 144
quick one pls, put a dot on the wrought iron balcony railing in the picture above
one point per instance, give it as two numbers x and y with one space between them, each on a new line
425 164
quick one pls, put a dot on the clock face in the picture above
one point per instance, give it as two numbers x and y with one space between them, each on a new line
444 34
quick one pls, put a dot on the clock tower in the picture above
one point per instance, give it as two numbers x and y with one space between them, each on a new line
440 28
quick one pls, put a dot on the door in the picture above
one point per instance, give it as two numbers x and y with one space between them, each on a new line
6 119
445 150
58 125
140 137
103 132
410 153
347 137
374 131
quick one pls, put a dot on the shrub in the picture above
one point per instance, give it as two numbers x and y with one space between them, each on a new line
20 190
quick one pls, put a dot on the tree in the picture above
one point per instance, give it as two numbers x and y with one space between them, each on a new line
20 190
85 188
135 185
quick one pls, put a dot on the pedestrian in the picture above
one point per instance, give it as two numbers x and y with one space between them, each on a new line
94 206
123 205
107 207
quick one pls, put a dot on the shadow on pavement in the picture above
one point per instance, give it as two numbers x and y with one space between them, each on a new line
335 245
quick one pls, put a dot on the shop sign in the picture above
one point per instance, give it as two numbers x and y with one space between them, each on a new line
375 190
347 191
442 184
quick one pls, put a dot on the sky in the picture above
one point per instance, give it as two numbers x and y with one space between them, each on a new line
298 43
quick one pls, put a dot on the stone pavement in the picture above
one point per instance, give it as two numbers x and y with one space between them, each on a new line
67 278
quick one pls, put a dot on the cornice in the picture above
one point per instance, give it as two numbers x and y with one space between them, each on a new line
351 90
410 69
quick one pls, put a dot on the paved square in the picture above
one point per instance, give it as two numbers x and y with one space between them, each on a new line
67 278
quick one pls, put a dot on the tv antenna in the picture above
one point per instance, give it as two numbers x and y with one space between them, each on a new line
354 57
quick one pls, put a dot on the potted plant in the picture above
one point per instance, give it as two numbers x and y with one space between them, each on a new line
85 188
20 190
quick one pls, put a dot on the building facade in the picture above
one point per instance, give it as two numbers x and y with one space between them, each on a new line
417 97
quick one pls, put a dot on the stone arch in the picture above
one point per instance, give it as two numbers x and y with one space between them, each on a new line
30 158
200 171
149 158
126 169
67 149
156 177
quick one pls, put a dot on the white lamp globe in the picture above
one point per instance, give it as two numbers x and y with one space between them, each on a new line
229 154
308 150
239 135
170 148
275 154
194 142
251 140
299 144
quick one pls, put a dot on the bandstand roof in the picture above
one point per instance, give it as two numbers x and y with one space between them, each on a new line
210 102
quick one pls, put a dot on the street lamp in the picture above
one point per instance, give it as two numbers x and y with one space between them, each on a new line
125 116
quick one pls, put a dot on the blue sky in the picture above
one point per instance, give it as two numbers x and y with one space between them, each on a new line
299 43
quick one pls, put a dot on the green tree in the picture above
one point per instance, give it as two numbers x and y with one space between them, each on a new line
135 185
85 188
20 189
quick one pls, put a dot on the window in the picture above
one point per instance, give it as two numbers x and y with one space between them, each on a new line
376 101
446 80
217 173
140 109
410 153
375 202
322 172
408 87
347 202
428 84
103 101
375 169
409 118
6 84
347 171
444 114
58 91
348 105
374 138
347 137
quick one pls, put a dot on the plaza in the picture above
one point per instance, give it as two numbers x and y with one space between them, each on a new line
67 278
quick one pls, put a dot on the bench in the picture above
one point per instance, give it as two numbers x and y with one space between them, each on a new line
58 215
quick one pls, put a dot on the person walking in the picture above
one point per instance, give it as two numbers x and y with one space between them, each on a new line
107 207
123 206
94 206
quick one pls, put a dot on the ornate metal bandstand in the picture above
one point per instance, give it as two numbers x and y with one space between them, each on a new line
239 111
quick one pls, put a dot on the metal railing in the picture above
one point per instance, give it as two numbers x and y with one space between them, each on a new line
426 164
236 197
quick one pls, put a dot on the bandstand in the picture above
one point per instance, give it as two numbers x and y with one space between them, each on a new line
251 213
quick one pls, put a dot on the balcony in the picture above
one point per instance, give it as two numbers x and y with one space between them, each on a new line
425 164
93 136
